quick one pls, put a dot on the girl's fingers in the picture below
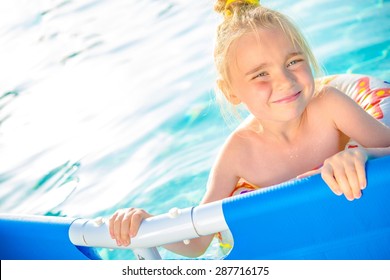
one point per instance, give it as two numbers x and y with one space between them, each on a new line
352 185
125 229
124 224
345 173
335 175
111 224
328 176
345 186
360 166
136 219
117 225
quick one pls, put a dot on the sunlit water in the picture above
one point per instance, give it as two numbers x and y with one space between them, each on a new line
110 104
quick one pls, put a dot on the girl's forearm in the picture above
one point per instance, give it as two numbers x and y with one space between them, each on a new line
195 248
377 152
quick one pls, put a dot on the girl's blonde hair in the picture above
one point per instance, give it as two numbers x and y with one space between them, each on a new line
245 16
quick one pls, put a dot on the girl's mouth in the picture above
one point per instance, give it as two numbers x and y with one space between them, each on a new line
288 99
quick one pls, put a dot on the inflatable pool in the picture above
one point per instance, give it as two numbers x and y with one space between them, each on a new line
296 220
300 219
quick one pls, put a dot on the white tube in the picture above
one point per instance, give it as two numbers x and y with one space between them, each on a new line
155 231
177 225
208 218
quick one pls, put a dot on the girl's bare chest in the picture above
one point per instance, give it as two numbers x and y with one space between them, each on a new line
274 163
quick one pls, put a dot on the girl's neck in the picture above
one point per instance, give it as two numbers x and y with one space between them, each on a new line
283 132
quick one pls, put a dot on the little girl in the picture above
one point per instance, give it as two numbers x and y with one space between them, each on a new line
295 126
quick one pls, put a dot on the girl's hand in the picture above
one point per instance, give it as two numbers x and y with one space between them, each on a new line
124 224
344 172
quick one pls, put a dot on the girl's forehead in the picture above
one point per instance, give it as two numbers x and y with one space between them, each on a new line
262 42
261 46
263 38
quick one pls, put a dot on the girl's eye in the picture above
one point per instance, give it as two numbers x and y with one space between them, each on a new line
262 74
293 62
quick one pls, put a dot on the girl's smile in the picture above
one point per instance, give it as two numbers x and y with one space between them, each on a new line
288 99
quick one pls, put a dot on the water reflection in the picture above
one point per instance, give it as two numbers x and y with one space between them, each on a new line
105 104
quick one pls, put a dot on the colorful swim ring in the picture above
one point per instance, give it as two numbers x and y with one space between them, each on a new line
371 93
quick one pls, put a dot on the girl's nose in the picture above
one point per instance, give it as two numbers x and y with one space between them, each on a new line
285 80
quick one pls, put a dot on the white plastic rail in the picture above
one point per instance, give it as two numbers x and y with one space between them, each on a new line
177 225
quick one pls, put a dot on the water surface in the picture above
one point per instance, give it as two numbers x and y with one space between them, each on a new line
110 104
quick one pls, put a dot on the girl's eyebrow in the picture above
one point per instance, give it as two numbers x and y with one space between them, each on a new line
290 55
262 65
255 69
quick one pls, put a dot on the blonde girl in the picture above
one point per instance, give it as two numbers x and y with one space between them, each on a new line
265 64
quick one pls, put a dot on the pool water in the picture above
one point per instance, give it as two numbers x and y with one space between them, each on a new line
110 104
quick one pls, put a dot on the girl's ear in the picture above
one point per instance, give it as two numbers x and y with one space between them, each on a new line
227 92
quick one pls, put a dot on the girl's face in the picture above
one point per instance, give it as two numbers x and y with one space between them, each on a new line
270 75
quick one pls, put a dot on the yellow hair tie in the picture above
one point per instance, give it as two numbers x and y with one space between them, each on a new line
228 12
253 2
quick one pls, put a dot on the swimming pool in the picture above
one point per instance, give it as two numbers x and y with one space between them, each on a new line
107 104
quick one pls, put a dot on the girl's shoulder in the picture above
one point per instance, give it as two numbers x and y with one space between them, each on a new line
325 92
329 98
247 130
242 137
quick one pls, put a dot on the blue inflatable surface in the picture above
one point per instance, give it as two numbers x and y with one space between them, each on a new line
304 220
39 238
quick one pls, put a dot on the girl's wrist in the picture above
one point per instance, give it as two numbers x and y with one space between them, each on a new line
376 152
